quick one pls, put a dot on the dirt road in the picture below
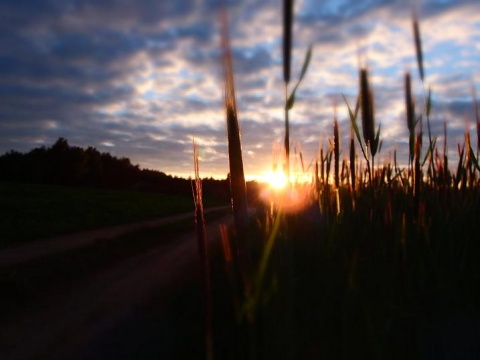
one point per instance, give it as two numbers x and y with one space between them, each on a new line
62 243
123 312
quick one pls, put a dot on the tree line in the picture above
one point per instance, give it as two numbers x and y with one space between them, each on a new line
62 164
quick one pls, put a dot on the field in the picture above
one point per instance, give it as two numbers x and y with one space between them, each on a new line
32 211
350 286
367 260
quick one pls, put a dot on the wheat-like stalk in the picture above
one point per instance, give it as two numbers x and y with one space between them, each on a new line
417 173
203 251
287 38
238 189
477 116
352 162
336 150
368 121
287 55
445 156
410 112
418 45
368 126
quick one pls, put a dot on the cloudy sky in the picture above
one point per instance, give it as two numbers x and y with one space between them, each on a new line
141 78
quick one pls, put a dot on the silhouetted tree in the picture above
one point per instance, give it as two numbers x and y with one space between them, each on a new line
63 164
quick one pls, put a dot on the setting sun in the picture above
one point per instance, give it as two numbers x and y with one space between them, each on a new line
276 180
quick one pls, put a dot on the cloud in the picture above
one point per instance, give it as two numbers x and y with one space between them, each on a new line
141 78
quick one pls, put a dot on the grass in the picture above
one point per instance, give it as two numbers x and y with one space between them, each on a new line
29 211
363 285
381 264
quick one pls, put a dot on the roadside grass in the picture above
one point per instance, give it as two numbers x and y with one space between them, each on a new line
32 211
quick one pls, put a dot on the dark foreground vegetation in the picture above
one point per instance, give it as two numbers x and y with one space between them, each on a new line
374 282
369 260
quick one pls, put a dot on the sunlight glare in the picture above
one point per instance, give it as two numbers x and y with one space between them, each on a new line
276 180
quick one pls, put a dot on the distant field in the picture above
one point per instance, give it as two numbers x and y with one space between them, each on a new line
30 212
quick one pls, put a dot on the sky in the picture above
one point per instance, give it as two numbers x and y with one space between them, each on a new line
142 78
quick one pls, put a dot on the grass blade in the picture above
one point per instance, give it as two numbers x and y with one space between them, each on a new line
353 122
306 62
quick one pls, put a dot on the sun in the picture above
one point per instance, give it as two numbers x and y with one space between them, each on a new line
276 179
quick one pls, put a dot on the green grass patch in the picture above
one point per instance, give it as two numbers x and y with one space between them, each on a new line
32 211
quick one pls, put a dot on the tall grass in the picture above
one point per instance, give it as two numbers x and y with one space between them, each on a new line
203 252
367 264
410 114
237 176
287 55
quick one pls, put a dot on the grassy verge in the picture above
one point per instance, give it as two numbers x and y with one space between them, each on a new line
29 211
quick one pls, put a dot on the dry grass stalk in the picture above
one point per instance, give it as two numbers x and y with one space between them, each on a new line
418 45
337 201
328 160
410 112
441 162
445 156
336 150
368 126
409 103
477 117
361 172
203 251
417 173
461 166
301 158
352 161
478 132
469 159
419 53
322 166
287 56
287 143
287 38
368 122
317 178
352 166
395 163
237 177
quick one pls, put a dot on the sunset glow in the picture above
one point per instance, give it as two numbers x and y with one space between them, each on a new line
140 79
276 180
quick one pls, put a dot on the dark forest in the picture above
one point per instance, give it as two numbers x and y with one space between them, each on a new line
62 164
